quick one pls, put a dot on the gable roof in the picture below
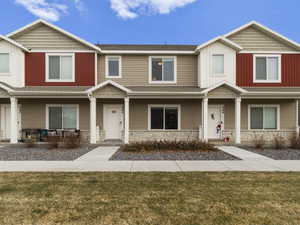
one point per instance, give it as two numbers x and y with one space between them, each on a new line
224 83
266 30
52 26
145 47
222 39
108 82
13 43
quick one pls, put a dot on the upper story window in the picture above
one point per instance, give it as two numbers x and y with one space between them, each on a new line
218 64
113 67
162 69
60 68
267 68
4 63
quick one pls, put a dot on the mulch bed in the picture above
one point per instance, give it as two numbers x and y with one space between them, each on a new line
19 153
279 154
173 155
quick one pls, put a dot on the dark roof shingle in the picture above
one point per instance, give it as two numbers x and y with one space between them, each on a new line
119 47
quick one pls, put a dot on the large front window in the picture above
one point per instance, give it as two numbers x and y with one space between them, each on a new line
267 69
62 116
60 68
162 70
164 117
4 63
264 117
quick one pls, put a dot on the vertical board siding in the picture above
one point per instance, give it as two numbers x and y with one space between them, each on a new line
35 70
290 71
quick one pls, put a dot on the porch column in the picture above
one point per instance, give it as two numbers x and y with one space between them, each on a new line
205 118
297 117
126 120
93 120
238 120
14 120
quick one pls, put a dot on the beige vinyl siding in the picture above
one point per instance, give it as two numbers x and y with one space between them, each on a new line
109 91
135 70
222 92
252 39
190 113
34 112
44 37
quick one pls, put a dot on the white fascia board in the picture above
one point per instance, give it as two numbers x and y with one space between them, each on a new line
295 44
57 29
14 43
115 84
226 84
222 39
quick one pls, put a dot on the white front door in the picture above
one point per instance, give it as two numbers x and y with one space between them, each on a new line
113 121
215 121
5 121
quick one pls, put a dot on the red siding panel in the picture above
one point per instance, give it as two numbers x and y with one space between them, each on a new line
290 71
35 70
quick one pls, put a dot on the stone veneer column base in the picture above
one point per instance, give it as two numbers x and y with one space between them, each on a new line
146 135
248 137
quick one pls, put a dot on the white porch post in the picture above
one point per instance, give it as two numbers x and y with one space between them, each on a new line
93 120
205 118
126 120
238 120
14 120
297 117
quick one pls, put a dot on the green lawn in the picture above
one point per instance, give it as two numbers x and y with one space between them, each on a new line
149 198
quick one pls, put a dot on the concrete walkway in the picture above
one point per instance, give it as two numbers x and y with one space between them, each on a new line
242 153
97 161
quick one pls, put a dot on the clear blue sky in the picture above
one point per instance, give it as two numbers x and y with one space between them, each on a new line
194 22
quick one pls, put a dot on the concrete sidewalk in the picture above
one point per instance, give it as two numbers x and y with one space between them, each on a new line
97 161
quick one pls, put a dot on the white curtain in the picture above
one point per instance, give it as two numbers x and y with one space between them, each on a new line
218 64
270 118
4 62
66 67
69 117
272 68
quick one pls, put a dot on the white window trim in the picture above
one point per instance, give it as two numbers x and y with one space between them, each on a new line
266 81
162 82
106 66
212 66
9 65
164 106
60 54
263 106
62 105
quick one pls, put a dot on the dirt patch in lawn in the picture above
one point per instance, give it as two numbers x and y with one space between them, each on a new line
150 198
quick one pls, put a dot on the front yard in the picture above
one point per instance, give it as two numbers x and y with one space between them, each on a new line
20 152
149 198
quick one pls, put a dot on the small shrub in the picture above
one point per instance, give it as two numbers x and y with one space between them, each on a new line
279 142
53 141
168 146
259 142
71 141
295 142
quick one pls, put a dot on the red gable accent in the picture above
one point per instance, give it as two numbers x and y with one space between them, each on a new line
35 70
290 71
